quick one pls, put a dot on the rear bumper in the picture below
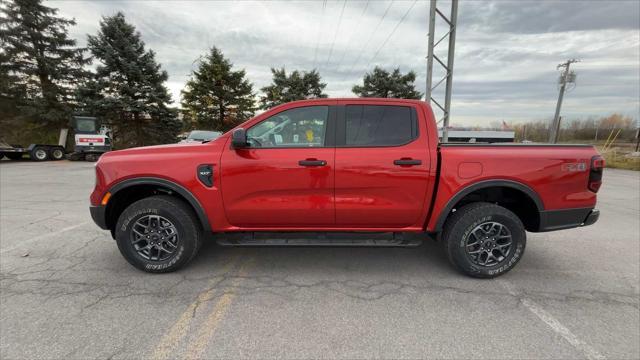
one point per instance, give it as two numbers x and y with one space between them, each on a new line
593 216
552 220
99 217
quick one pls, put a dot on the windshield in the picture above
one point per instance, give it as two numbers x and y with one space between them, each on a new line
85 125
202 135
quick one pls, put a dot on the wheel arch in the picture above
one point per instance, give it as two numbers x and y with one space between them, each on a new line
128 191
502 192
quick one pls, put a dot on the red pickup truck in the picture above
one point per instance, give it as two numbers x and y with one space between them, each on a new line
343 172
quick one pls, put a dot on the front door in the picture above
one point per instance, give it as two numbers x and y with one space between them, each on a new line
382 166
285 179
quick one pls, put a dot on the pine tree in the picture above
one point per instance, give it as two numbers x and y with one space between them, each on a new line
380 83
40 66
296 86
128 86
216 97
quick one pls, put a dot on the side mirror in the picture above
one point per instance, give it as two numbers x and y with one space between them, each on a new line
239 139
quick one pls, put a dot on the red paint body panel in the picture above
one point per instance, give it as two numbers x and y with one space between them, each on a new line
370 191
359 189
267 187
540 168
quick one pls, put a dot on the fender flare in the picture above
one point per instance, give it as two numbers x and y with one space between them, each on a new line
179 189
483 185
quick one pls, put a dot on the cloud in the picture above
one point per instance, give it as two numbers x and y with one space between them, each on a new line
506 53
537 17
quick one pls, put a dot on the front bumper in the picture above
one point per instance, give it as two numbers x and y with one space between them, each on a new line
551 220
98 214
92 148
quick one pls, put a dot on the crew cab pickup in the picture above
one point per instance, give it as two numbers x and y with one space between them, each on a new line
343 172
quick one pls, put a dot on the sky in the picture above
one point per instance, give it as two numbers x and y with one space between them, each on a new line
506 52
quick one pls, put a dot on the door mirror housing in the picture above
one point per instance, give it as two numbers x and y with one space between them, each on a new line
239 139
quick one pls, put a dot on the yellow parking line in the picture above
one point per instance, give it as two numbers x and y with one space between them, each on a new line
178 331
208 328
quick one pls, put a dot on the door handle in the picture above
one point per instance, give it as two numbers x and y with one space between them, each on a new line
407 162
312 162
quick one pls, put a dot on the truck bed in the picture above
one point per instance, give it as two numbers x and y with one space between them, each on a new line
557 174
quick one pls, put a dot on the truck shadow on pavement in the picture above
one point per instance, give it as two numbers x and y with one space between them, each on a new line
361 273
387 260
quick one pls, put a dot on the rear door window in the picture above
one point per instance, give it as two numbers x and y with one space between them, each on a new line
379 125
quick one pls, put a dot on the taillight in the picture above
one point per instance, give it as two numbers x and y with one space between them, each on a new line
595 173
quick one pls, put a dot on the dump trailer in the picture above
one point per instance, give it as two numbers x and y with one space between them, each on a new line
90 141
37 152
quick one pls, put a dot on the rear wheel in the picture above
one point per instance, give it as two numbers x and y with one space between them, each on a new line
39 153
158 234
484 240
57 153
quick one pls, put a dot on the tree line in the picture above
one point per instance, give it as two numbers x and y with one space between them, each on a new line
591 130
45 78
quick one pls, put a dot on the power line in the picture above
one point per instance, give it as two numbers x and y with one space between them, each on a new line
349 39
392 32
315 56
335 36
371 37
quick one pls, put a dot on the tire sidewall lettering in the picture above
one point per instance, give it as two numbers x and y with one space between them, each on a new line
138 213
169 263
465 235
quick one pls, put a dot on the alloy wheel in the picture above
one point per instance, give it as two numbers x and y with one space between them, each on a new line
488 244
154 237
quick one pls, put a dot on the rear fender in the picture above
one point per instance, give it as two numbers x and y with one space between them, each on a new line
482 185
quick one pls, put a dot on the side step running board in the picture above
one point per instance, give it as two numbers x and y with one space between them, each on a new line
372 239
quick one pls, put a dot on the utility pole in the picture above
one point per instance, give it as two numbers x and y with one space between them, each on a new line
565 77
451 21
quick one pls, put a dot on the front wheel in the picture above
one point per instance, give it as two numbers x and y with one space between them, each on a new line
158 234
484 240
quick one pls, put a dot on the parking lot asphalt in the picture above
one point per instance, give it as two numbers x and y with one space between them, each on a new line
67 293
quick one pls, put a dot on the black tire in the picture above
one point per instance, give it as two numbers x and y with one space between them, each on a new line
13 156
76 156
92 157
469 242
176 213
56 153
39 153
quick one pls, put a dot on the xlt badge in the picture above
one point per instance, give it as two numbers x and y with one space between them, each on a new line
205 174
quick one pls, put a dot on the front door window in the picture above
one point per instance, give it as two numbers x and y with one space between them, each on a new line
299 127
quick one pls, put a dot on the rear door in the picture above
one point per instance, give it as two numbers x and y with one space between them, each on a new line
382 165
286 178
